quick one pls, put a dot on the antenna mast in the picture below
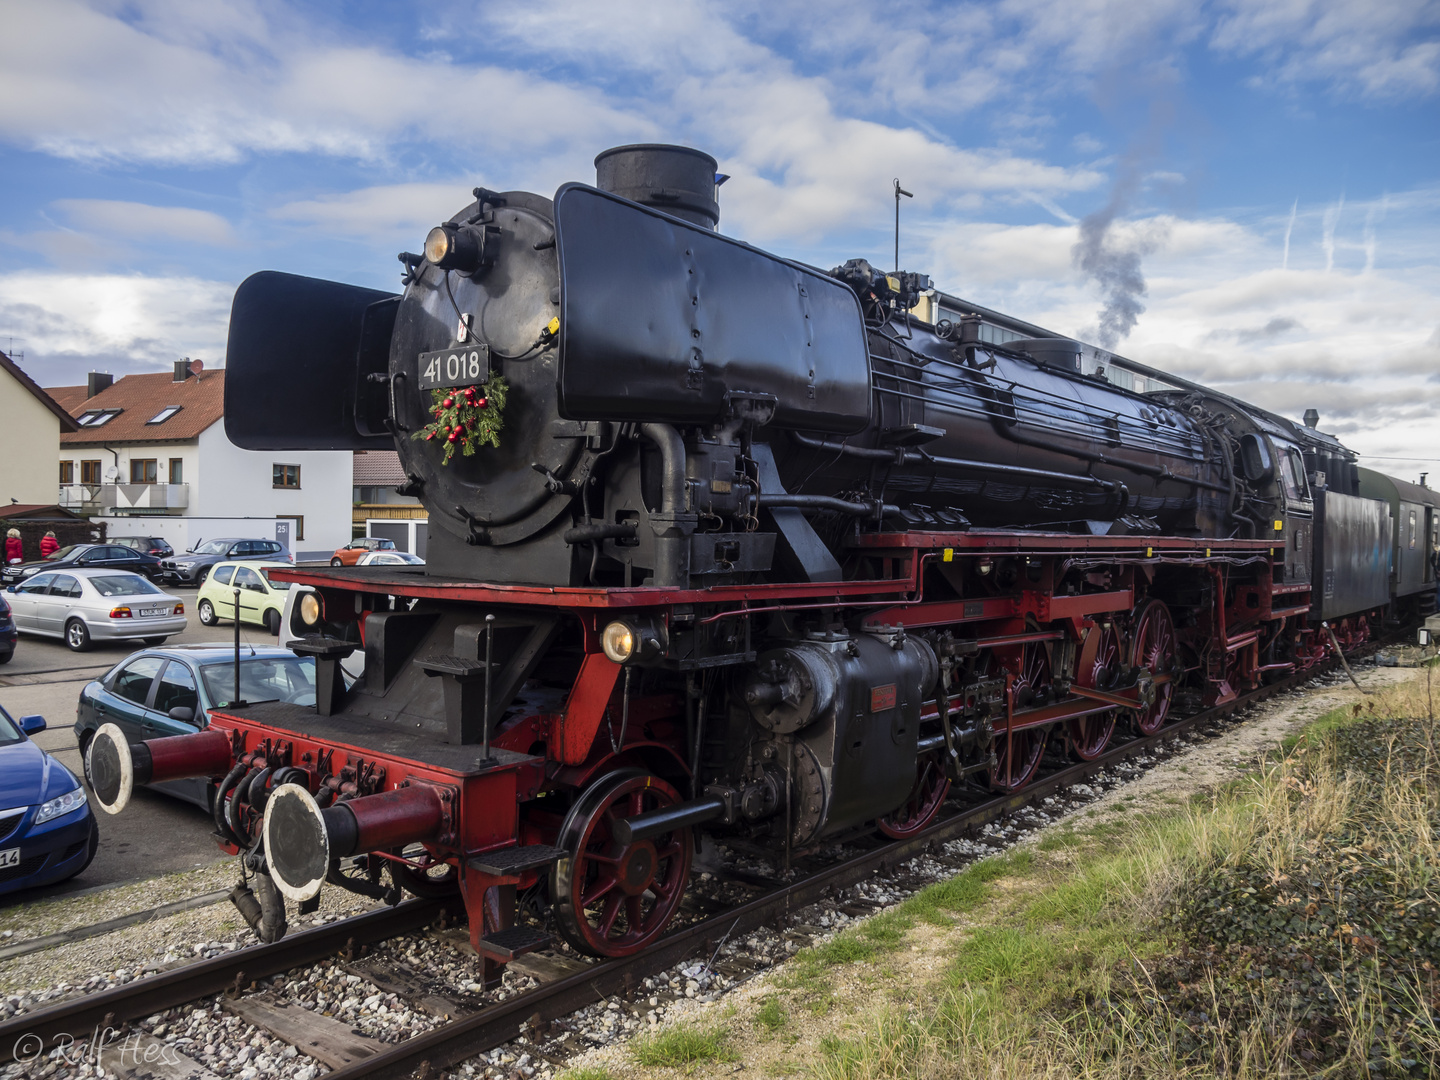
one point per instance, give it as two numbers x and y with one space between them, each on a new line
909 195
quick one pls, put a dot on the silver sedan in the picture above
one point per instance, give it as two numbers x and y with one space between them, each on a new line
84 605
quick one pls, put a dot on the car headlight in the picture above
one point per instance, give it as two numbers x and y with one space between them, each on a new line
60 806
27 571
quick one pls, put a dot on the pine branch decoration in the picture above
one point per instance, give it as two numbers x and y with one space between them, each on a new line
467 418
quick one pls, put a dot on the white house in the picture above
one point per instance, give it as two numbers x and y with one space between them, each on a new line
150 458
31 423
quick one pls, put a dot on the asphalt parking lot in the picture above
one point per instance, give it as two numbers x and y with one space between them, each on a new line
156 834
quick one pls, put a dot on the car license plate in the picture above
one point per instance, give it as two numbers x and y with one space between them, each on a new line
464 365
154 611
9 857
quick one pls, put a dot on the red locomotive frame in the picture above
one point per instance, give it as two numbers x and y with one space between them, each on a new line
478 825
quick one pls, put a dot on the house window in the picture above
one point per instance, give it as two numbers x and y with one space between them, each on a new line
297 531
164 414
177 470
67 472
286 476
142 470
97 417
90 472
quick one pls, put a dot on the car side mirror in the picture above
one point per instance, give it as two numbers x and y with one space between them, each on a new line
13 588
82 562
32 725
183 713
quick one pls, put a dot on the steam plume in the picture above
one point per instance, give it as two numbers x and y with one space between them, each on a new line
1113 263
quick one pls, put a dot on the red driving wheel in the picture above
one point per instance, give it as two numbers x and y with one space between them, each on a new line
613 899
1090 735
1153 647
1018 753
924 800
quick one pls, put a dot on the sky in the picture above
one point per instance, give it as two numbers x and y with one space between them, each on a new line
1243 192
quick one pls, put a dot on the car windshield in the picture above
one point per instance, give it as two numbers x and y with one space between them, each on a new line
122 585
9 732
214 547
66 552
278 586
279 678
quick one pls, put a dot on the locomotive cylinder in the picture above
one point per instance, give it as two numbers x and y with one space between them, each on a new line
116 765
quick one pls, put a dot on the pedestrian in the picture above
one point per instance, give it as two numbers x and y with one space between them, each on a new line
48 545
14 550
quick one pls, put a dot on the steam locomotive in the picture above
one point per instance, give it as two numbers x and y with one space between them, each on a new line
722 543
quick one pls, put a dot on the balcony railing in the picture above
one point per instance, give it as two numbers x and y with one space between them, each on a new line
118 498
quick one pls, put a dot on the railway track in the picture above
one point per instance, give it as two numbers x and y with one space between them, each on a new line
427 1054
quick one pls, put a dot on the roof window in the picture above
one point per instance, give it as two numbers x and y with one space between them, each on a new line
92 418
164 414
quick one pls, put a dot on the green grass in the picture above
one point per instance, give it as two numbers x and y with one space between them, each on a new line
587 1072
771 1015
682 1045
1092 966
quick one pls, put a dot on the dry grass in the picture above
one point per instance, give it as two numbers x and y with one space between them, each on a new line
1266 932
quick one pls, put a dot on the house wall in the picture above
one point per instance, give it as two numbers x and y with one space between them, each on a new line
29 446
235 483
230 492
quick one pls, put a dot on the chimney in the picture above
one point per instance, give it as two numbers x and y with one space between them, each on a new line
182 369
98 381
1311 418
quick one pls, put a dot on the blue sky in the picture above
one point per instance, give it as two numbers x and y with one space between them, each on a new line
1271 166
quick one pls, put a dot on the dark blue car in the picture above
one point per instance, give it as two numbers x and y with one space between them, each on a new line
47 832
8 634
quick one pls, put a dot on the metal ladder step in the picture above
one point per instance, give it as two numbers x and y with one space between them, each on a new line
515 860
506 945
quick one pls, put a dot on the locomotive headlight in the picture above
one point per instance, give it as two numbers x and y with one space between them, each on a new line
437 244
310 609
618 641
455 247
629 641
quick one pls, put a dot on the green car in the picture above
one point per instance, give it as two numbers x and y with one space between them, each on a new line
160 692
262 601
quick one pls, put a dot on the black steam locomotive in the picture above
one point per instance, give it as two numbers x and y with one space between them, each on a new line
721 541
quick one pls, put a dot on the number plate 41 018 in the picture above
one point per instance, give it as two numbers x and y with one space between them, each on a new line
464 365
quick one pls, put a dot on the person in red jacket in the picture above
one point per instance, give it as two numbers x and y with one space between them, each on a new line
48 545
14 551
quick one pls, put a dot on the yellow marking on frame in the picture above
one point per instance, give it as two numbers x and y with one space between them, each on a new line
1207 553
1279 525
948 555
1149 553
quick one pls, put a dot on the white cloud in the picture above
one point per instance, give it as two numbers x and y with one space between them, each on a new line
169 82
381 212
141 221
66 323
1382 48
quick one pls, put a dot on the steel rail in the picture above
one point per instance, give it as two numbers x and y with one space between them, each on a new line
497 1024
80 1016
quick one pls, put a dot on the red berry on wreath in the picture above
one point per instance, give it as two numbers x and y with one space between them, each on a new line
481 403
452 436
459 429
448 402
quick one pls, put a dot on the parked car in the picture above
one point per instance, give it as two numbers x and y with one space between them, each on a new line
47 830
390 558
351 553
150 545
92 556
82 606
262 601
9 636
155 693
194 567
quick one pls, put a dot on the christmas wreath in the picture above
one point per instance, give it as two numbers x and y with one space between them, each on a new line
467 418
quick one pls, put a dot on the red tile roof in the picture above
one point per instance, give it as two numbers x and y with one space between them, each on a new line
378 468
201 399
67 422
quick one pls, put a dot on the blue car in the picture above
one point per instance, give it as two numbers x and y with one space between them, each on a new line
47 832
